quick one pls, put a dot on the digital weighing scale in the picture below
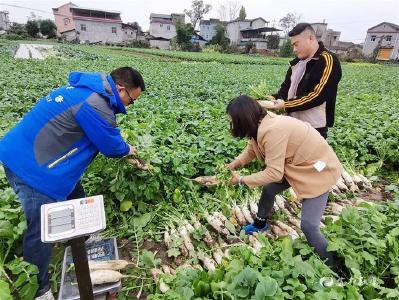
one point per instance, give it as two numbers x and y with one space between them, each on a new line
73 221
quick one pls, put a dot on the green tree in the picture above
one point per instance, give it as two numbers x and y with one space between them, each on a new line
184 33
197 11
286 49
289 21
219 38
17 28
48 28
243 14
32 28
273 41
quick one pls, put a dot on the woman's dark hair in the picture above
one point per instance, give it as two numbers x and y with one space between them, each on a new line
245 114
128 77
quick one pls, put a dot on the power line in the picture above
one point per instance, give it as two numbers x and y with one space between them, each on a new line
29 8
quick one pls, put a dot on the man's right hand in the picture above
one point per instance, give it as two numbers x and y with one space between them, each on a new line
266 104
132 150
271 98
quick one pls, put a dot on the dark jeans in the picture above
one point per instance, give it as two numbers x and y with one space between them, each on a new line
34 251
312 212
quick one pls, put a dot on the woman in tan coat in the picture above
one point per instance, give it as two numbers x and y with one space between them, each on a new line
295 155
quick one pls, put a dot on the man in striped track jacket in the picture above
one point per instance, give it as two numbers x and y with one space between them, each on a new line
309 90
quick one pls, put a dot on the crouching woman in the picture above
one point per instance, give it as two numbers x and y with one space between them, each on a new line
295 155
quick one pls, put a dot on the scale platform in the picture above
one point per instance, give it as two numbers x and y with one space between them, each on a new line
96 250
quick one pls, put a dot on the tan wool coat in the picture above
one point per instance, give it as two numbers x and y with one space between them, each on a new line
290 149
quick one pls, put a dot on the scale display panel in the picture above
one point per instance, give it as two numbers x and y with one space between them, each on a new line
72 218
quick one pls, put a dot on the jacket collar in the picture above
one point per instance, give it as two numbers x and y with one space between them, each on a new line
316 56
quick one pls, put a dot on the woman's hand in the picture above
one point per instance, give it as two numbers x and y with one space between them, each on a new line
235 178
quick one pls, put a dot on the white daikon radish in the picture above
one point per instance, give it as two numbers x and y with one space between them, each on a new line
105 276
341 185
247 215
255 243
292 233
209 263
186 239
239 215
163 287
218 256
167 239
280 202
253 206
116 264
216 224
207 236
335 208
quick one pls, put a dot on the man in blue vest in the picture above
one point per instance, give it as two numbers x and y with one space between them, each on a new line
47 152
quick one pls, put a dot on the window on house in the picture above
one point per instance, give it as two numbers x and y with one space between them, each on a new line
160 25
83 27
389 38
168 27
373 38
113 29
335 38
66 21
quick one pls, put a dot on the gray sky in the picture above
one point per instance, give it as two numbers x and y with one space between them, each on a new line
352 18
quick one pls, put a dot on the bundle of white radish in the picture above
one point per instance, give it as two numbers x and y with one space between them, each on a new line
186 239
117 264
247 215
254 242
216 224
239 215
291 232
207 236
209 263
349 181
102 276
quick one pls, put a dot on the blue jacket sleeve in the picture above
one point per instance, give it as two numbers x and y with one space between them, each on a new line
106 138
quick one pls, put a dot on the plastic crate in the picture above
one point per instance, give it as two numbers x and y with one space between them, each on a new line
96 250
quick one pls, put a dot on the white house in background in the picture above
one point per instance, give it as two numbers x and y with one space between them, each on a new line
163 29
208 28
4 20
241 32
386 36
329 37
88 24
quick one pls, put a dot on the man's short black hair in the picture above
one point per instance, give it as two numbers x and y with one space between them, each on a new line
128 77
301 27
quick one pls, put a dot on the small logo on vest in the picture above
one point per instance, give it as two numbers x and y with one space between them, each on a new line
59 99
